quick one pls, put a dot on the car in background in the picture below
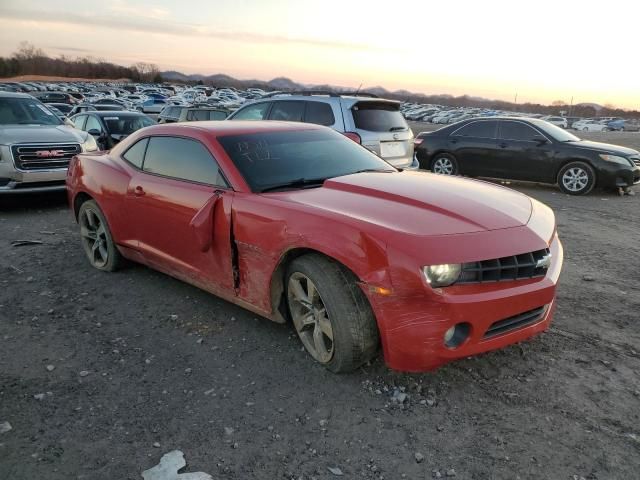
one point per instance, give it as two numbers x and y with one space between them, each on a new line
527 149
89 107
64 108
152 104
557 121
55 97
177 113
373 122
591 126
35 145
295 221
111 127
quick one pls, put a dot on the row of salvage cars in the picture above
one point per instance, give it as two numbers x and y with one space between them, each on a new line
297 221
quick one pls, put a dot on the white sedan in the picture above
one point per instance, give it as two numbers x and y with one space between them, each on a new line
591 126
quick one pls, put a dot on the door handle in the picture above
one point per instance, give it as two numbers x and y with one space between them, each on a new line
502 145
138 191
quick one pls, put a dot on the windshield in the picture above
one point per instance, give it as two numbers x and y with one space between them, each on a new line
126 124
25 111
272 159
558 133
378 117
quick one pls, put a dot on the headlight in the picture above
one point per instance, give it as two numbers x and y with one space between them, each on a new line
89 144
442 275
616 159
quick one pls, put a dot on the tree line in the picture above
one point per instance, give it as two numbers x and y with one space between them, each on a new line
29 60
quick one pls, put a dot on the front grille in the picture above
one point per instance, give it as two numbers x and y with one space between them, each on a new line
517 321
43 156
515 267
635 160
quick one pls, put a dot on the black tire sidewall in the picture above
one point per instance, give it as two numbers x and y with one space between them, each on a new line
587 168
454 162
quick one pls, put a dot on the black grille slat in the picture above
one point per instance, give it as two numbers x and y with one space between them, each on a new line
26 157
513 323
515 267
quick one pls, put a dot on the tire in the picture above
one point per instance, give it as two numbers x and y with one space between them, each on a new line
97 242
339 330
576 178
444 164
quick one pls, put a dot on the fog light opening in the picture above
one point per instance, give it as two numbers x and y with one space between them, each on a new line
456 335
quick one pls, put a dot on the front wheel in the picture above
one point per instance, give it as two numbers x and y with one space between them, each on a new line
330 313
576 178
444 164
96 238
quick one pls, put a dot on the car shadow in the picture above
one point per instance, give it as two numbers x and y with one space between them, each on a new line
39 201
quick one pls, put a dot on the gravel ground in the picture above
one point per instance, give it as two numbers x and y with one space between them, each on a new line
101 374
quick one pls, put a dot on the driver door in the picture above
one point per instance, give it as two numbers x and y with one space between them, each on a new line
180 212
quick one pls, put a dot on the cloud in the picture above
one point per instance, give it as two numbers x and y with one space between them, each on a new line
70 49
151 24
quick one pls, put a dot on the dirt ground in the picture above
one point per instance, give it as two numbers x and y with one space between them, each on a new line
100 374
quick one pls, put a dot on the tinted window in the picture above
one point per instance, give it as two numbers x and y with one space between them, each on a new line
267 160
78 121
198 115
182 158
135 154
517 131
252 112
378 117
287 111
126 124
93 124
482 129
217 115
320 113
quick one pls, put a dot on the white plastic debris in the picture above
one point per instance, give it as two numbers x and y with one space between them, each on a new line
5 427
168 468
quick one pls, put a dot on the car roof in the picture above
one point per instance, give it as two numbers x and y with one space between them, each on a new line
15 95
120 113
235 127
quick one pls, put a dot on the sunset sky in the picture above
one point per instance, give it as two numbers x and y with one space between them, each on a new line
543 50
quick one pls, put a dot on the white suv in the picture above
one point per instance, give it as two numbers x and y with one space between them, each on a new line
374 122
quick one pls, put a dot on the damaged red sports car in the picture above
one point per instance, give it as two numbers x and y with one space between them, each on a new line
296 221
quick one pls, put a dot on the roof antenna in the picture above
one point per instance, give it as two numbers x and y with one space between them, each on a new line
358 90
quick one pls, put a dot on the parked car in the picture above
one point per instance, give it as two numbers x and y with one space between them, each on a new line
152 104
557 121
591 126
35 145
296 221
55 97
373 122
84 107
527 149
111 127
172 114
64 108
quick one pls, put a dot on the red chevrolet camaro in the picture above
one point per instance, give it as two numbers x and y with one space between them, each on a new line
295 221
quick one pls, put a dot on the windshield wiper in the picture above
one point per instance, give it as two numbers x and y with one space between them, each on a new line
397 129
297 183
366 170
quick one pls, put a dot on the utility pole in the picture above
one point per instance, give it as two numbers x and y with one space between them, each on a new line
571 107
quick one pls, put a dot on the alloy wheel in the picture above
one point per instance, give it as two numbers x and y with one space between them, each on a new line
575 179
94 238
310 317
443 166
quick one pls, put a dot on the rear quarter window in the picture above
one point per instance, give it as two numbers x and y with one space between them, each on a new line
319 113
378 117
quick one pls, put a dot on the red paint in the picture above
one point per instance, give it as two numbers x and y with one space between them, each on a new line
383 227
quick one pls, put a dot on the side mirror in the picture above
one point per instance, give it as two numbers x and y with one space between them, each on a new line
94 132
540 140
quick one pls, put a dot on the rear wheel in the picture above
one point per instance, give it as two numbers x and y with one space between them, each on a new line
330 313
96 238
576 178
444 164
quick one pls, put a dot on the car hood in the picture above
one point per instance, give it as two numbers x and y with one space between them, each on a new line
10 134
604 147
418 203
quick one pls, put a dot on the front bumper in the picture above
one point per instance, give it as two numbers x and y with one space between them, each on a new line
412 329
614 175
14 181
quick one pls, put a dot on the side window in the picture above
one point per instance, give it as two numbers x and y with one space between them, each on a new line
93 124
319 113
288 111
198 115
253 112
135 154
479 129
217 115
183 159
79 121
517 131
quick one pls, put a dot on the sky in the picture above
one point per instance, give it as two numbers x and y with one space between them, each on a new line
542 51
